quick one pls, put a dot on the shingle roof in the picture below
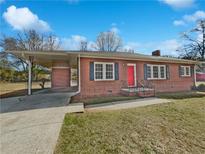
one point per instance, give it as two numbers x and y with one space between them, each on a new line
131 56
108 55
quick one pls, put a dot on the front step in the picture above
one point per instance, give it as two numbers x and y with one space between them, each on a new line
145 92
150 93
127 93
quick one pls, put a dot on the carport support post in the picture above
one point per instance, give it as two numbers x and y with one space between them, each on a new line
29 77
195 75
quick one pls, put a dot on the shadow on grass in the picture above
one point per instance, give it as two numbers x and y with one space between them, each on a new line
181 95
16 93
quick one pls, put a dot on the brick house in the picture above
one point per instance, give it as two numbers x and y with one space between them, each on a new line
115 73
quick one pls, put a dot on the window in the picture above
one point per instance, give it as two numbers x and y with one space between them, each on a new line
104 71
185 71
156 72
162 71
109 71
99 71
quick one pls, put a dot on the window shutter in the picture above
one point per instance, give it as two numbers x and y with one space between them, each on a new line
180 70
192 70
91 70
116 71
145 71
167 72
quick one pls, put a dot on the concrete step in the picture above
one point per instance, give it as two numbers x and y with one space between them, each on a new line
75 108
138 92
146 93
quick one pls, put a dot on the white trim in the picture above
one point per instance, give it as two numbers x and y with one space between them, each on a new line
194 75
143 59
159 72
184 67
79 82
104 71
131 64
135 74
61 67
29 77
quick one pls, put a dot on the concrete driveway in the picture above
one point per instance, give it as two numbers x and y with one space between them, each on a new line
31 124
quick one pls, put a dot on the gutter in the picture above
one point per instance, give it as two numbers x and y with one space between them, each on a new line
144 59
91 55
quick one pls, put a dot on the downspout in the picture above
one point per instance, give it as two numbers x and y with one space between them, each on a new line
79 83
195 75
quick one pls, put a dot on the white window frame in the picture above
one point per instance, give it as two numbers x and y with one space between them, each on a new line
184 68
159 72
104 71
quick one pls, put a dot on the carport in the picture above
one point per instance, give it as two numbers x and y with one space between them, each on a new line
31 124
59 62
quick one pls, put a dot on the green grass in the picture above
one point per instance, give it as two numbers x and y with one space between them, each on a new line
106 99
176 127
9 89
181 95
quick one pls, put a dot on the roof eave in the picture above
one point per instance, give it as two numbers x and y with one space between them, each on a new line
85 55
144 59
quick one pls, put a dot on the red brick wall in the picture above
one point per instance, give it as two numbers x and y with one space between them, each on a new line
98 88
174 83
60 76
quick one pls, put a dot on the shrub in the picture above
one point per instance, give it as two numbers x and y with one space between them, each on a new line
201 87
42 84
181 95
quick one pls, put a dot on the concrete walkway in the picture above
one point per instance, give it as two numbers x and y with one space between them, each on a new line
125 104
32 127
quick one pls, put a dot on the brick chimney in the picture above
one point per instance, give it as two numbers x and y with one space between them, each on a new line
156 53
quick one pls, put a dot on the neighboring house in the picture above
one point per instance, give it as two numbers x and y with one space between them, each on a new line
200 72
114 73
200 76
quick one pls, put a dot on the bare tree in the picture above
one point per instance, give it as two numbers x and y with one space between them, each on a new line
194 47
83 45
108 41
29 40
10 43
51 43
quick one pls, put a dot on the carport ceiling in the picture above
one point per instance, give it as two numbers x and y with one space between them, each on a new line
46 58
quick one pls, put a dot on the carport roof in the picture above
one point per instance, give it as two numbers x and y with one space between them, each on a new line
71 56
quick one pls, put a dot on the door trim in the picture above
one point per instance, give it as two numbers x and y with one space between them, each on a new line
135 80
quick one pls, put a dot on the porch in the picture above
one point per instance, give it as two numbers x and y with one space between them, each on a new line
143 88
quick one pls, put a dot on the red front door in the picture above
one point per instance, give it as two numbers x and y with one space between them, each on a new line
130 75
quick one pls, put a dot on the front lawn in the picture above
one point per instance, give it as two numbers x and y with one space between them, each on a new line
9 89
176 127
181 95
